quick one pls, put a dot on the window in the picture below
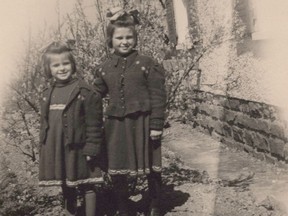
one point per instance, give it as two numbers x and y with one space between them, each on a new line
178 23
182 25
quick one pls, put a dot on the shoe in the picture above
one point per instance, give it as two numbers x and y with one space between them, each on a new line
154 212
121 214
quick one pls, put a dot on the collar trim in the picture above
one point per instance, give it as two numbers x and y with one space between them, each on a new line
130 58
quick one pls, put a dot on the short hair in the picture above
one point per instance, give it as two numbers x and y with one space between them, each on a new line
120 24
57 48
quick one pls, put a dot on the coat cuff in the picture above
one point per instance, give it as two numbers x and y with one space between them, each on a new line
91 149
156 124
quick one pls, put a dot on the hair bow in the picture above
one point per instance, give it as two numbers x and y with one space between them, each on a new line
69 43
118 13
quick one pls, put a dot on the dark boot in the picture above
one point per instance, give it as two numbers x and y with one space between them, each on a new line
154 187
122 214
120 186
154 212
70 200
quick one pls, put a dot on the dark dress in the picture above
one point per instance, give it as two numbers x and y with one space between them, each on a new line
130 151
59 163
135 85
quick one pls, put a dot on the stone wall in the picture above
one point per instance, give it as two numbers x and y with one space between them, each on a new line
250 126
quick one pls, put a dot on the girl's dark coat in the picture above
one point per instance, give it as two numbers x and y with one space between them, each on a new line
136 83
81 119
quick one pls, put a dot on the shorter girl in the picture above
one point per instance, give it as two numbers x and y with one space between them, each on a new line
70 131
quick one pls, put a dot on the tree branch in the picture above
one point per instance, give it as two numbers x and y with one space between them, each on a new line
162 4
97 5
185 74
30 103
33 156
21 150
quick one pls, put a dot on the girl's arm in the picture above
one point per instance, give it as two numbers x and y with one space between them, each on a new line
157 92
94 123
99 83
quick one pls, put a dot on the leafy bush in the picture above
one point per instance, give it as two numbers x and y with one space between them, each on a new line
19 198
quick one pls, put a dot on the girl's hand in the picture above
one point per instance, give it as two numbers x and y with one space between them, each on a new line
155 134
88 158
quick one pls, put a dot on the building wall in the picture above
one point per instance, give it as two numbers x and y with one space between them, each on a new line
239 68
242 97
254 127
256 62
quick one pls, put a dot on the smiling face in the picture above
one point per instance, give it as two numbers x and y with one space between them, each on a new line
123 40
61 66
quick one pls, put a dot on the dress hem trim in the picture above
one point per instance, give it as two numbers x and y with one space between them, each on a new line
71 183
134 172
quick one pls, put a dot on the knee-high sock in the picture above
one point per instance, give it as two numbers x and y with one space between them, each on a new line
90 203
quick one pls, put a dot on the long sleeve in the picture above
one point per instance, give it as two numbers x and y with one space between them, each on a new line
99 83
157 93
94 123
44 109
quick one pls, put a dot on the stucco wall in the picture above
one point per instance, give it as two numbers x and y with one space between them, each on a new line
245 68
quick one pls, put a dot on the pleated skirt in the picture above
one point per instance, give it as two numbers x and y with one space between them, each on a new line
129 147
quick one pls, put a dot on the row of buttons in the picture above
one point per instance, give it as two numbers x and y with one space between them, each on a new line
122 83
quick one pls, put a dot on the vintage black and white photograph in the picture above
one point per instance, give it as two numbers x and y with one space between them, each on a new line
144 108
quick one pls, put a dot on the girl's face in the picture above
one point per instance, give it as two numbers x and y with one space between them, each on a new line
60 66
123 40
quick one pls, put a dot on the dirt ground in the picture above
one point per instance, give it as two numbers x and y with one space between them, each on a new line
191 191
202 196
195 193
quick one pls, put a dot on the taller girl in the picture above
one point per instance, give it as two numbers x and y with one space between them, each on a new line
135 114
